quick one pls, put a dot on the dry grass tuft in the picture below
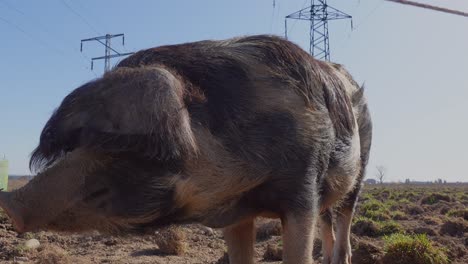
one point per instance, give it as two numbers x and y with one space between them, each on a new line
273 253
171 241
432 220
51 254
366 253
269 229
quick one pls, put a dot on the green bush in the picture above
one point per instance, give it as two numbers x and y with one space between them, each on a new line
417 249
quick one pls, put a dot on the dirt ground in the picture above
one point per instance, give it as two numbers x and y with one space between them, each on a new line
440 211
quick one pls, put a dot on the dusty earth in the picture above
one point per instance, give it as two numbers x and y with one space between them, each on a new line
439 211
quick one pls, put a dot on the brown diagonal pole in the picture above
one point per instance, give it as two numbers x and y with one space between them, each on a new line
436 8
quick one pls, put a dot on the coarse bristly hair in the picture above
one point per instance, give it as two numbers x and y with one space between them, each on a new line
137 110
145 105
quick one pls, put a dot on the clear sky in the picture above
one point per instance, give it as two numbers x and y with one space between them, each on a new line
414 64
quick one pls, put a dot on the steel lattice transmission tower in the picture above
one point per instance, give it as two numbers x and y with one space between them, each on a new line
318 13
107 43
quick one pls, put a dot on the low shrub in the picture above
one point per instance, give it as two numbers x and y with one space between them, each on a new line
430 220
390 227
371 205
414 210
398 215
463 213
454 227
435 198
379 215
367 227
417 249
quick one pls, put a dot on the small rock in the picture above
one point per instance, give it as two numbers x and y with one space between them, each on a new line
32 243
110 242
207 231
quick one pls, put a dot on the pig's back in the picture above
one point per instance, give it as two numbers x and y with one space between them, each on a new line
266 99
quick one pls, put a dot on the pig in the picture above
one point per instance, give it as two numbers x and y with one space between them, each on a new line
210 132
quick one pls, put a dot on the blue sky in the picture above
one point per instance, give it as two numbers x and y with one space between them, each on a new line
414 64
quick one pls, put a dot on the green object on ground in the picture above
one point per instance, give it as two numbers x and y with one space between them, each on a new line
3 174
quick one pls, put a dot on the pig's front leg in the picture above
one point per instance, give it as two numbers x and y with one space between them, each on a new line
240 239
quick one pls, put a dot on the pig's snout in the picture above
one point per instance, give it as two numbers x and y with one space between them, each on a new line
13 210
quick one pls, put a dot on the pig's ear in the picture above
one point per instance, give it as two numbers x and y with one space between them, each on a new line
139 111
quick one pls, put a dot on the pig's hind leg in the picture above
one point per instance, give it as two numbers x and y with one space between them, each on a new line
327 235
344 217
299 225
298 238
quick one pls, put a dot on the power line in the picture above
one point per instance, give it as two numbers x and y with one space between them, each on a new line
80 16
100 24
20 29
435 8
360 23
44 28
295 21
108 47
12 7
371 13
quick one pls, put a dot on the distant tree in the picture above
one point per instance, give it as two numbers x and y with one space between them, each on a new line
407 181
381 170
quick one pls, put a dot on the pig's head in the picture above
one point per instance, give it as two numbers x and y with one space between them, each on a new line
87 190
109 156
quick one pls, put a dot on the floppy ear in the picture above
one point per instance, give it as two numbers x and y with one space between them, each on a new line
136 110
